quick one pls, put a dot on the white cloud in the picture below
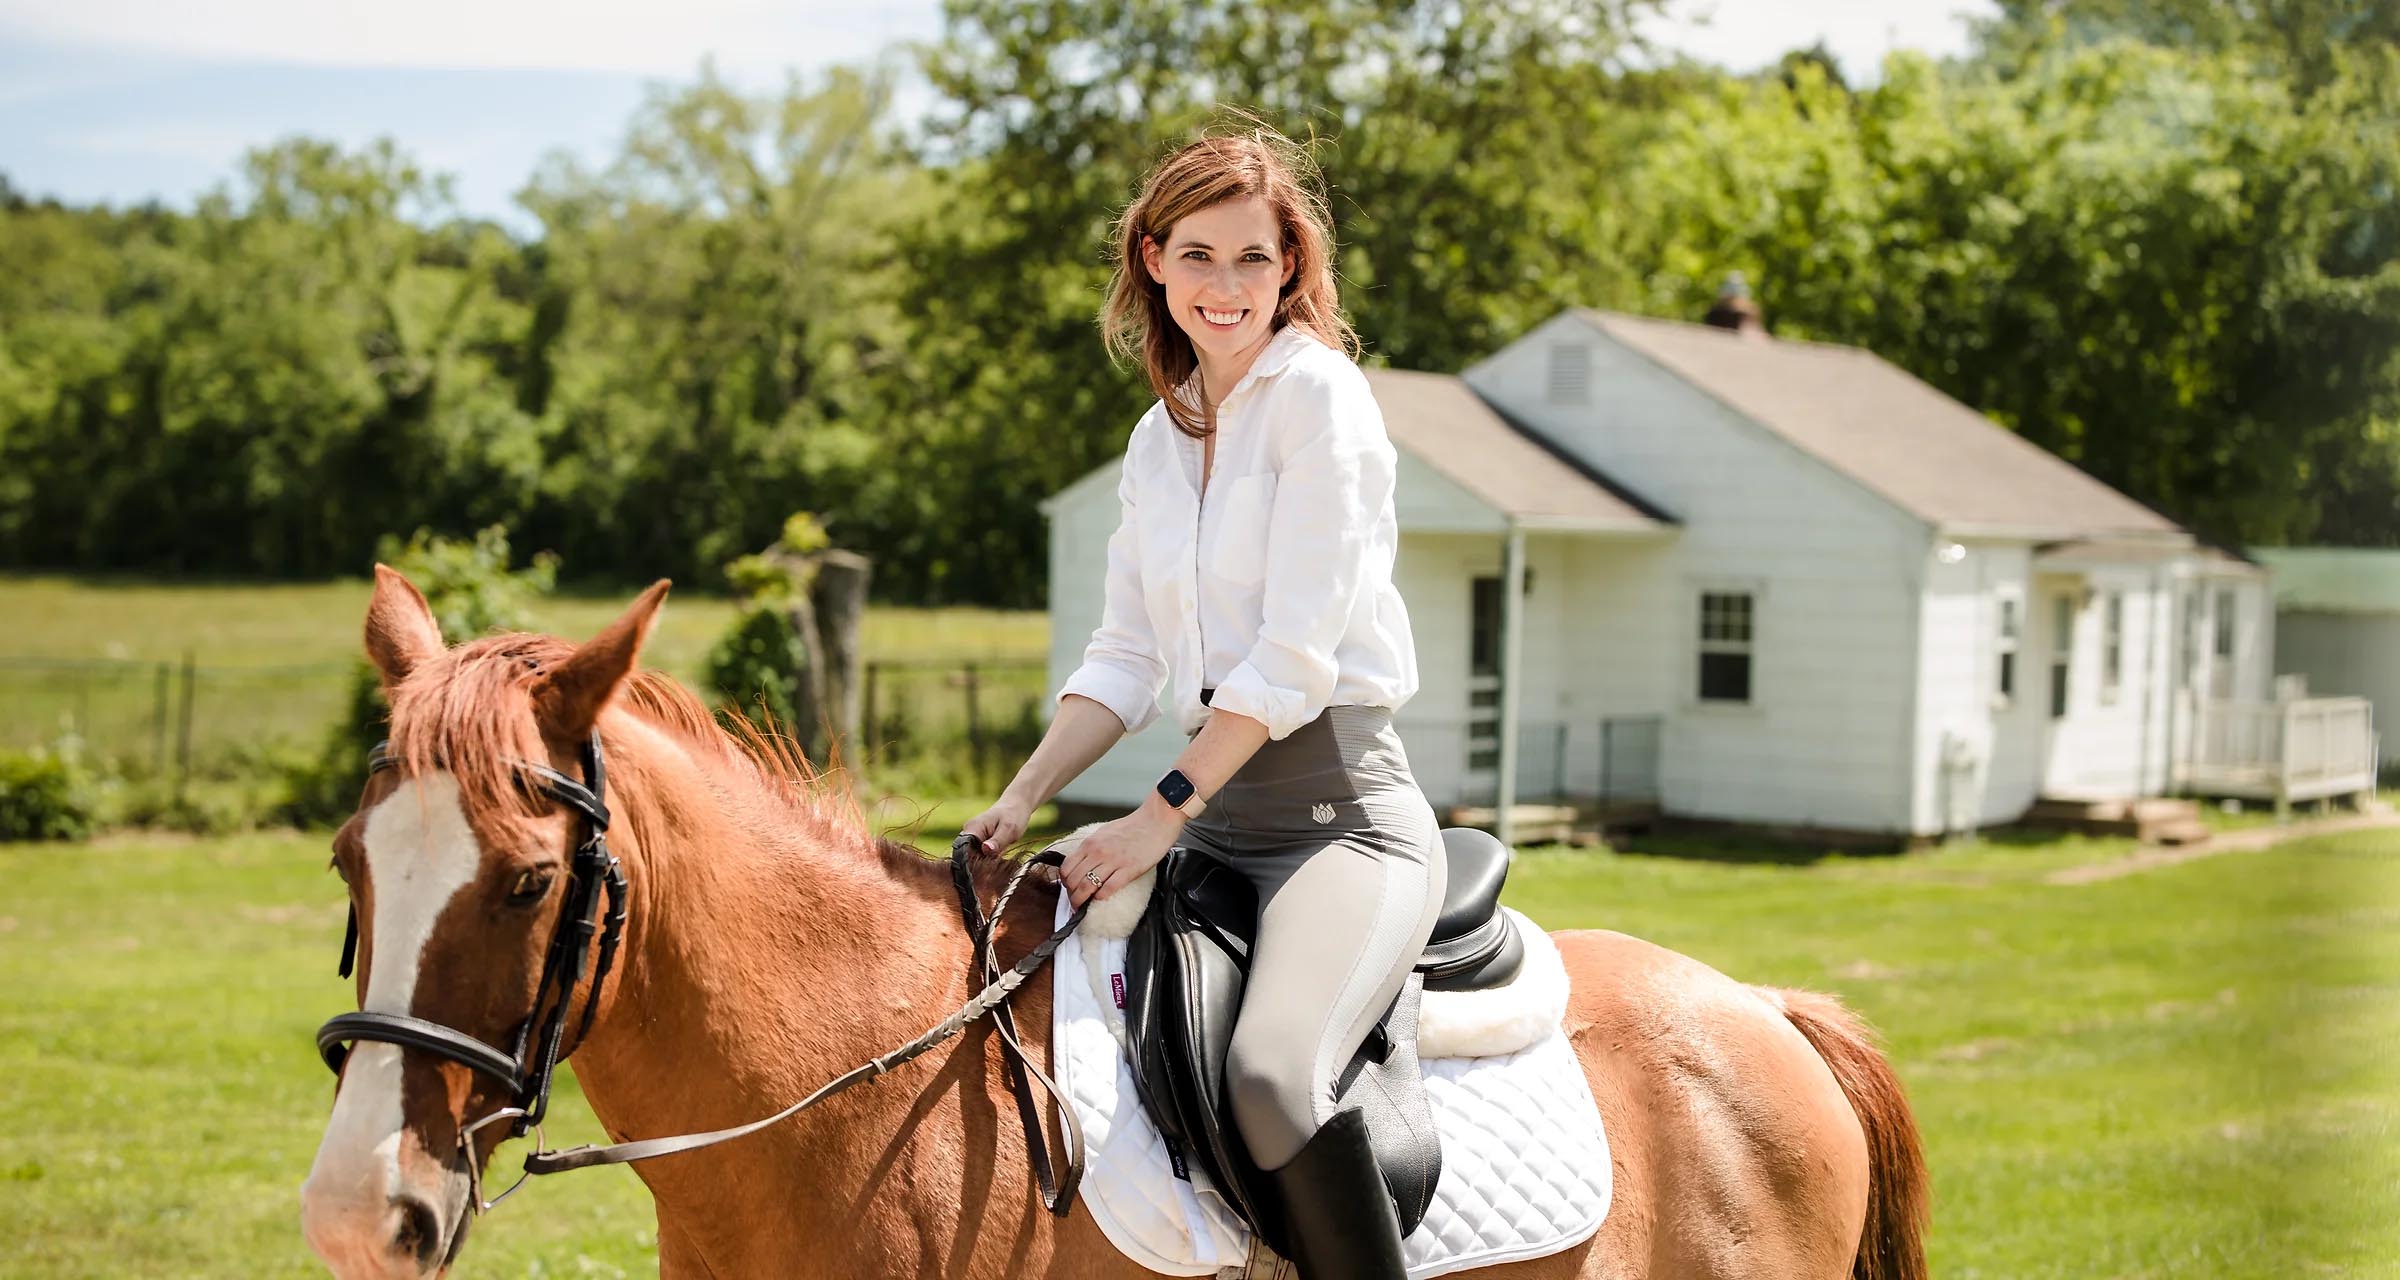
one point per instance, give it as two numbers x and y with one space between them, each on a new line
1747 34
750 37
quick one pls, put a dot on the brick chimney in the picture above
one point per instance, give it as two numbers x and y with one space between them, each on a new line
1735 309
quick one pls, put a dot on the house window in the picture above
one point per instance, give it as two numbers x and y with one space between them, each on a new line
2187 637
2062 651
2112 645
1725 646
1483 634
1570 373
2011 628
2221 672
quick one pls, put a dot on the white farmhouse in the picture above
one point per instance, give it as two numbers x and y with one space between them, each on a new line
1756 581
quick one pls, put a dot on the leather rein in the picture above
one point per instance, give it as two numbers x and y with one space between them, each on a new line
595 875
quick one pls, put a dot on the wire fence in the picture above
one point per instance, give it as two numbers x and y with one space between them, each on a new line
983 716
184 718
179 717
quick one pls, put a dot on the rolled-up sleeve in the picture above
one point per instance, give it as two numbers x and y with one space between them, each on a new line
1333 495
1121 669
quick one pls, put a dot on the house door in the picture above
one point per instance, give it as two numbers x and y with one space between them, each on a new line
2059 603
1482 777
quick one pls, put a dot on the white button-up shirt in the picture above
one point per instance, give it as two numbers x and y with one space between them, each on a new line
1276 589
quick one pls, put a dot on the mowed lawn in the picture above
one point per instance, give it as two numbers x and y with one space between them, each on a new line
2191 1071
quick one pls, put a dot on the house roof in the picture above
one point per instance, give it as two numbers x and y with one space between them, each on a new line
2334 579
1899 437
1441 420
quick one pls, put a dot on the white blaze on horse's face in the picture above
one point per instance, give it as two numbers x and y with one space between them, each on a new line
376 1203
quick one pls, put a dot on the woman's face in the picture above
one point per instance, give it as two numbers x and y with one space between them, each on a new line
1223 268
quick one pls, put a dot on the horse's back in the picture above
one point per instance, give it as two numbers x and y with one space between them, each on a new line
1735 1151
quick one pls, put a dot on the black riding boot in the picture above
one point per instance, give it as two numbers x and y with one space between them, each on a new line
1337 1212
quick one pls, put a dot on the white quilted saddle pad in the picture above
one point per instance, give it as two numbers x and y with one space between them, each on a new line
1525 1169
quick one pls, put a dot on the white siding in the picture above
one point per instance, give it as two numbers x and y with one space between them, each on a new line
2117 746
2348 654
1835 572
1958 695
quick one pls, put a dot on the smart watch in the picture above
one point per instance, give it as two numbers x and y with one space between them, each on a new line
1181 795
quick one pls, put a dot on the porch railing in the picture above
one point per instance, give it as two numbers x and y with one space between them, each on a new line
1605 761
2300 749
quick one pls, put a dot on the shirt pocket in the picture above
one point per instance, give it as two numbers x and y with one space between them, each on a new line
1234 547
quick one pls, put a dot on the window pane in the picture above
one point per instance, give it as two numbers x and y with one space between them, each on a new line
1725 677
2112 646
1484 628
1725 617
2008 675
2058 689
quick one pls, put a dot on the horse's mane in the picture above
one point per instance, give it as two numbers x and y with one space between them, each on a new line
471 712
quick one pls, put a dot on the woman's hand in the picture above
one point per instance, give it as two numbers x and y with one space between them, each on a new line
1001 825
1116 853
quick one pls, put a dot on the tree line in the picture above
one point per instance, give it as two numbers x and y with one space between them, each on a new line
2157 239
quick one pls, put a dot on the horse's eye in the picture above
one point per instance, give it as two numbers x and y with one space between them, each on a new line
529 887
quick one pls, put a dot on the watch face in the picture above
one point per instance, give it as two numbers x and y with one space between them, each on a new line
1175 788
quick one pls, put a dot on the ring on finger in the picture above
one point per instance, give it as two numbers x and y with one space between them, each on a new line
1092 876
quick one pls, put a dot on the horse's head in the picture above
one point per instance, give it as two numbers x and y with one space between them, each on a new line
466 856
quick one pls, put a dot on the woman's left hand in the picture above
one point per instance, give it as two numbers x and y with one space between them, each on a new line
1116 853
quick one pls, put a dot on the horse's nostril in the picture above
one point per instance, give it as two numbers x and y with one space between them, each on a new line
420 1231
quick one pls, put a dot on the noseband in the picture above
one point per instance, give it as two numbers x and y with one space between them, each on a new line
527 1066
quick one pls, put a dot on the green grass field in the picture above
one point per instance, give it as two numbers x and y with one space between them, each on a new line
81 656
2189 1072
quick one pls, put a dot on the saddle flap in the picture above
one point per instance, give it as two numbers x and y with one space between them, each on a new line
1186 965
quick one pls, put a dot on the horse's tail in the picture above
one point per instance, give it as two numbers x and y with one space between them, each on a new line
1898 1186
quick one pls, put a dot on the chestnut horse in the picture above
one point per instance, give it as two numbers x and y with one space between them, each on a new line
772 943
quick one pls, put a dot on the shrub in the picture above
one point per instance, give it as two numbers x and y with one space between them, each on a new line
44 795
758 665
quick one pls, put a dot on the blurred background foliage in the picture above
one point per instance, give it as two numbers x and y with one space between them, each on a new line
2160 237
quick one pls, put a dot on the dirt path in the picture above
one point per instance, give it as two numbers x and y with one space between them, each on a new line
2251 840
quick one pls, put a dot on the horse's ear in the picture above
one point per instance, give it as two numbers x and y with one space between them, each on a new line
568 701
401 632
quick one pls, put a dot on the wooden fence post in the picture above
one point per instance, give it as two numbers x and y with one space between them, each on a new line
974 720
183 732
866 732
158 722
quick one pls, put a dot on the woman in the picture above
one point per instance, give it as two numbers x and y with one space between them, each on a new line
1252 572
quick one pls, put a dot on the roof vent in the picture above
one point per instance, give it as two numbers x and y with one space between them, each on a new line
1735 309
1570 373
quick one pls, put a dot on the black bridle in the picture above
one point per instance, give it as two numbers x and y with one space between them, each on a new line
595 872
527 1066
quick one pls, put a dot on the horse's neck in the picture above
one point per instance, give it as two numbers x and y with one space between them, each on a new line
761 964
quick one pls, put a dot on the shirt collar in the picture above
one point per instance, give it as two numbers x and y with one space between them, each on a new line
1281 349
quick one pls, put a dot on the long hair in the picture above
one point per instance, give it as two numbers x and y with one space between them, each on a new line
1253 161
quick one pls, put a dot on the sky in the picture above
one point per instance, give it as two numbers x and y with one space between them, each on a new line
120 101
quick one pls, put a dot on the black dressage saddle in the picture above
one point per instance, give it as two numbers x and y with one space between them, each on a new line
1185 966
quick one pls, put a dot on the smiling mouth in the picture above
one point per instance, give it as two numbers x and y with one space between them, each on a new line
1221 319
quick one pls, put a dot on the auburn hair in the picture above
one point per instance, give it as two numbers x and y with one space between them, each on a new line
1256 161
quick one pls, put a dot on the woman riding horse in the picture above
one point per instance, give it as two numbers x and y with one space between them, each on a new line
1251 572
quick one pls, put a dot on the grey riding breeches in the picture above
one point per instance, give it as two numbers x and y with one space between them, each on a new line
1330 827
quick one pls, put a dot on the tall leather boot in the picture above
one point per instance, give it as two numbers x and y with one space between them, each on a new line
1337 1212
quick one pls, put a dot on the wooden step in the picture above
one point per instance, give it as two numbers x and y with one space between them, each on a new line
2184 831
